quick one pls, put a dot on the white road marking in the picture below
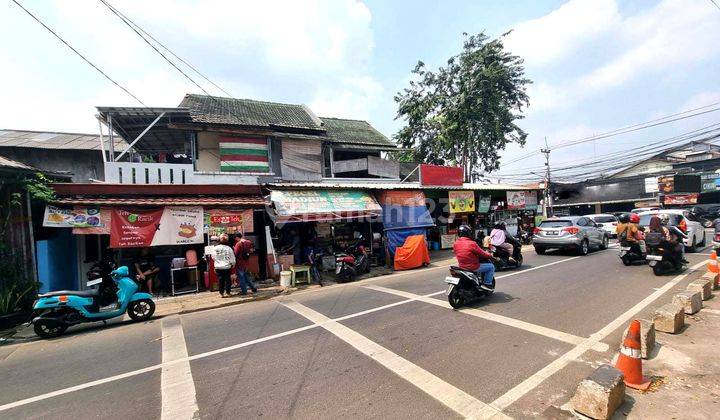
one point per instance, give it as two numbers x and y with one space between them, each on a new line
711 311
177 387
500 319
536 379
454 398
522 271
238 346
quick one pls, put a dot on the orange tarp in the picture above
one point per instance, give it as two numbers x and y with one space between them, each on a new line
412 254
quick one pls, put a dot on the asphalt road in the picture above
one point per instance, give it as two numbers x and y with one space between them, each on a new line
380 348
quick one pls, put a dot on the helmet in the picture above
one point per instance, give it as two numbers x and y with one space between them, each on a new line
634 218
464 231
624 218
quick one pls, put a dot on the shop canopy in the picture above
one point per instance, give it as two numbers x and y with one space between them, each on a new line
322 205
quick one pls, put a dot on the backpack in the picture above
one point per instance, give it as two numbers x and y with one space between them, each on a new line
654 239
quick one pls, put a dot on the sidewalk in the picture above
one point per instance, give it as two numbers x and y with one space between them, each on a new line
210 300
687 371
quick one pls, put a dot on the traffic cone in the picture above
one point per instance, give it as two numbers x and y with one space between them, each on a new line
713 264
629 361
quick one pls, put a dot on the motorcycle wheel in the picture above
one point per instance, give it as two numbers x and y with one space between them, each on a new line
141 310
626 260
454 298
45 328
518 261
657 270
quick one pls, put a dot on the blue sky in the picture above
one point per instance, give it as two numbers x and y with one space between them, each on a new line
597 64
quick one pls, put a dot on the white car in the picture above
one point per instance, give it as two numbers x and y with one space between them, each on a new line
606 222
685 221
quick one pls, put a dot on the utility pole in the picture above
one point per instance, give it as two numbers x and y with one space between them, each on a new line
547 206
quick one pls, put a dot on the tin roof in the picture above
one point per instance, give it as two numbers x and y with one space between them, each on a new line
54 140
6 163
357 184
238 201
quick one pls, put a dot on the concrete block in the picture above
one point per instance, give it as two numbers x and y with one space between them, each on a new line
647 337
669 318
689 301
703 286
600 394
714 278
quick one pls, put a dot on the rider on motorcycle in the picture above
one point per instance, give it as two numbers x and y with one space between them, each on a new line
629 234
499 238
471 257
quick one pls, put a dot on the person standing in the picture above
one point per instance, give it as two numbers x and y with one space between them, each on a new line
224 261
243 248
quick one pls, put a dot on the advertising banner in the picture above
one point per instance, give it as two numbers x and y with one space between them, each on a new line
218 221
103 228
441 175
666 184
75 217
168 226
461 201
293 203
681 199
651 185
483 204
522 200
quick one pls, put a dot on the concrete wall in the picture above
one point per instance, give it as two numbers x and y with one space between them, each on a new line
208 159
83 164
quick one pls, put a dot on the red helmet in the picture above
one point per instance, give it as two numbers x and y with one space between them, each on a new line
634 218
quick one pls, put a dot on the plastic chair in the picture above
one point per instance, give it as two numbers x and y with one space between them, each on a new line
299 269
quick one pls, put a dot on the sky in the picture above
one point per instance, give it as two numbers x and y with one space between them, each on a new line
596 65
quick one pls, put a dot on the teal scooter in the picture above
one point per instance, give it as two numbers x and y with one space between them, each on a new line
54 312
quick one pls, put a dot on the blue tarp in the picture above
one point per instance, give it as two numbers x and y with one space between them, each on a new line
400 217
396 237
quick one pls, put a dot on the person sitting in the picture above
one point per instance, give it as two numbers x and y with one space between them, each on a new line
499 239
660 237
147 271
629 234
471 257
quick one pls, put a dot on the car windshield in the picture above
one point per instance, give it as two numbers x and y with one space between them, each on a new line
555 223
645 219
604 219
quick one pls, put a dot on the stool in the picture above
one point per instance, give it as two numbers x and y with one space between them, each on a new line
299 269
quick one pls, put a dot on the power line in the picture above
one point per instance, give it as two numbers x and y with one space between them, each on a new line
129 21
624 130
77 52
715 4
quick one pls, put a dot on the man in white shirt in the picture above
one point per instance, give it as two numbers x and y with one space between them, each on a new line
224 259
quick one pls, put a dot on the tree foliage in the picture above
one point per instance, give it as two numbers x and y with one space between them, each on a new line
466 112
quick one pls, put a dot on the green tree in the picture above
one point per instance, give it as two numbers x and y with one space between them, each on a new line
465 113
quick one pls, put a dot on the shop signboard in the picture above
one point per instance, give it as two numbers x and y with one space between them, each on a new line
681 199
461 201
483 204
81 217
314 202
166 226
522 200
710 182
441 175
103 228
219 221
651 185
666 184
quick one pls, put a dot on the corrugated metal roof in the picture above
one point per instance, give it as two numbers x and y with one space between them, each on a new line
242 201
54 140
343 130
331 184
6 163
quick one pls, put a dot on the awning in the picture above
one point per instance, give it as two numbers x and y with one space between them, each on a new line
322 205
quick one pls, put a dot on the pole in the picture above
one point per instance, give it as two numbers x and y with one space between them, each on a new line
547 205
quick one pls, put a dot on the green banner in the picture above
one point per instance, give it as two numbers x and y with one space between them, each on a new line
292 203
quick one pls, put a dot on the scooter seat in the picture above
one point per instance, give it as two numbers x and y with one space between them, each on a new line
82 293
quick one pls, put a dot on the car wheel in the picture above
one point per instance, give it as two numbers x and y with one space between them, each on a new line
584 247
703 244
539 251
692 248
604 243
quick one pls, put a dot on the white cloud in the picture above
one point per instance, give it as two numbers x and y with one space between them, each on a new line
289 51
562 31
663 39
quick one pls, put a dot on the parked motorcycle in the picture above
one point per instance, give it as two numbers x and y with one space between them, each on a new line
351 262
464 287
630 253
54 312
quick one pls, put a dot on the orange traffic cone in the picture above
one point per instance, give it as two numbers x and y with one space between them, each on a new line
713 264
629 361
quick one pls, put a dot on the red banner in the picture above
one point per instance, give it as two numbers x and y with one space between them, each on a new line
441 175
134 229
218 221
681 199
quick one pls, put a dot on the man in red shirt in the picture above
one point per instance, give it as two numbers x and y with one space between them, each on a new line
243 248
471 257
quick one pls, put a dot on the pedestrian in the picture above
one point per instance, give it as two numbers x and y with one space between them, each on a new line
224 261
243 248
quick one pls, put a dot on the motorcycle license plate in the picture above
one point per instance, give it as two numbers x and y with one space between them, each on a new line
93 282
625 248
449 289
452 280
653 263
654 258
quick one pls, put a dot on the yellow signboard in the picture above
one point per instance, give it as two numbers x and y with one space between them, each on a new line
461 201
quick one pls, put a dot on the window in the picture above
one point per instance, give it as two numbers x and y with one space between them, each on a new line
605 219
555 224
583 221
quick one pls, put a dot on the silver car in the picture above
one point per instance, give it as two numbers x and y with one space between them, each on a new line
578 233
606 221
